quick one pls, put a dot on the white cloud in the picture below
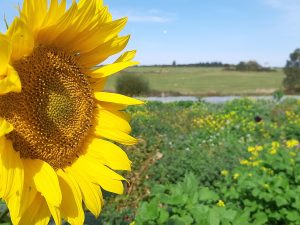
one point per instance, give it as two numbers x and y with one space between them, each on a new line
151 16
151 19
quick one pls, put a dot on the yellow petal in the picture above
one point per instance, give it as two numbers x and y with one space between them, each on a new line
115 135
55 12
45 180
55 212
5 127
101 53
13 205
100 34
47 35
5 53
71 205
37 213
99 174
91 193
98 84
127 56
34 12
28 194
83 21
108 153
116 98
11 170
108 70
94 170
10 82
21 38
111 120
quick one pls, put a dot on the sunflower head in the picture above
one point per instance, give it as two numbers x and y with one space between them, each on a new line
55 121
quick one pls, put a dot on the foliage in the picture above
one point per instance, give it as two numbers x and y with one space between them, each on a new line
292 71
186 203
248 66
199 138
266 184
251 66
263 189
278 95
130 84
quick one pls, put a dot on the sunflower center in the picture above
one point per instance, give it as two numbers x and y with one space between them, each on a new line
53 113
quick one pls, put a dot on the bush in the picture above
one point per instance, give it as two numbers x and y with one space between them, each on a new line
264 189
248 66
187 203
267 184
292 72
131 85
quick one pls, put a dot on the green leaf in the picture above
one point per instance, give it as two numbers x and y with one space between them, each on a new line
176 220
163 216
280 201
214 217
174 199
148 211
205 195
242 218
260 218
292 215
229 214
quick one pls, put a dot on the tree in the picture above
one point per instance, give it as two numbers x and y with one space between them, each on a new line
248 66
174 63
291 81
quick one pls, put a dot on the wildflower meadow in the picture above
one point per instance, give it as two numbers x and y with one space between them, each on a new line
201 163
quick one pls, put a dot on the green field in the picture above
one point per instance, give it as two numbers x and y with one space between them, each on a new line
205 81
184 148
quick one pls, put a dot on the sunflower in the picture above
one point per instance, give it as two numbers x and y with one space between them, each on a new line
55 122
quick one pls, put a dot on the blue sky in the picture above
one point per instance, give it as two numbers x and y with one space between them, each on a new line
191 31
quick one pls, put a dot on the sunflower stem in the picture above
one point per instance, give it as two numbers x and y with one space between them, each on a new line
5 21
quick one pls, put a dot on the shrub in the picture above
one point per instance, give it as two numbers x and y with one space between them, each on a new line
186 203
130 84
292 71
267 184
264 189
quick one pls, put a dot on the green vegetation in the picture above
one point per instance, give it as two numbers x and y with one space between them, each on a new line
213 149
131 84
251 66
292 71
201 81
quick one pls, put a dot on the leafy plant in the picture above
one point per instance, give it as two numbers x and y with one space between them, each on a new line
267 184
130 84
292 71
186 203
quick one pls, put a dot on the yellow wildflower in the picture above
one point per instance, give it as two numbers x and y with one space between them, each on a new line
292 143
273 151
221 203
236 176
224 173
258 148
251 149
244 162
275 144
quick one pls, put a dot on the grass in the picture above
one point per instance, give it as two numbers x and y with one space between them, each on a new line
199 81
